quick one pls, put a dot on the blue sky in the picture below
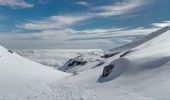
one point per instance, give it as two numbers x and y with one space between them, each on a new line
79 23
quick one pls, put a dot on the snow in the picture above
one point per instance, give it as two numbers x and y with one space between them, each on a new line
141 74
18 76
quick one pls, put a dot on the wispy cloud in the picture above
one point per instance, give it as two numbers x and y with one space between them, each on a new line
15 3
58 29
72 34
54 22
65 21
83 3
71 38
120 8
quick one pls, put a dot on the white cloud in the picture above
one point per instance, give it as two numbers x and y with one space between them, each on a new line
67 34
120 8
83 3
162 24
65 21
15 3
101 31
135 31
54 22
70 38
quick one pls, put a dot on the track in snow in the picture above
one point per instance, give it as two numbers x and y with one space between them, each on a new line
71 91
63 90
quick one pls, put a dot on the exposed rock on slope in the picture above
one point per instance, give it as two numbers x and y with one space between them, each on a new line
84 59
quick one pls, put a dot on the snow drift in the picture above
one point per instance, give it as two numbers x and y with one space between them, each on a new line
151 51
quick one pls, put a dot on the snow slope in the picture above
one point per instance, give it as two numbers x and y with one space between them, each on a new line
21 79
142 74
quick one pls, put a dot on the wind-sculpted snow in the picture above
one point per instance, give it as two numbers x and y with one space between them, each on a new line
152 53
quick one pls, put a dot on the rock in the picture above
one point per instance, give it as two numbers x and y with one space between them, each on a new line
99 64
126 53
109 55
75 73
107 70
10 51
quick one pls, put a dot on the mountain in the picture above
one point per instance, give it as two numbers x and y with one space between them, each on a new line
135 71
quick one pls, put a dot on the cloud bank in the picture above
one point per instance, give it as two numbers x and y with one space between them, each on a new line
15 4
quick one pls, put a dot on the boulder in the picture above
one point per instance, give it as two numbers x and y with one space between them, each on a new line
107 70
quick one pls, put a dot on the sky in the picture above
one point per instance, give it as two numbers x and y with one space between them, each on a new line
80 24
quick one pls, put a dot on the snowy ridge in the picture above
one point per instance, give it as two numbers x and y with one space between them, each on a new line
140 41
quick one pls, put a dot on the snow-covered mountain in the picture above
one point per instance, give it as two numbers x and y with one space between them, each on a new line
135 71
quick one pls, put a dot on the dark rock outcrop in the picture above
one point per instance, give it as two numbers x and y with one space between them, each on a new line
109 55
10 51
107 70
126 53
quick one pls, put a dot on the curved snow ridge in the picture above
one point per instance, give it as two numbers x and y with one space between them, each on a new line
148 62
131 66
141 40
19 75
12 63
